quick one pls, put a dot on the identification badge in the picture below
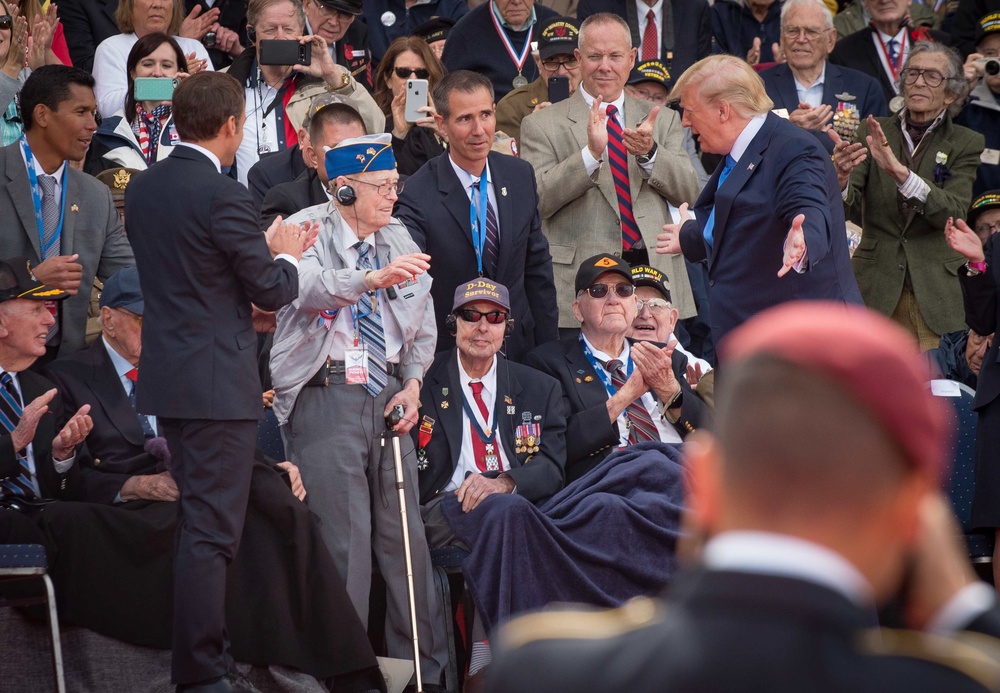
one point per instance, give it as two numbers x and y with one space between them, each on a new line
990 156
356 365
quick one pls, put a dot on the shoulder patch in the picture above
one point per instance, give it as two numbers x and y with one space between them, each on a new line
595 624
975 655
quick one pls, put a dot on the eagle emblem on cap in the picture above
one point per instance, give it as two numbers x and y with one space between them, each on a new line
122 179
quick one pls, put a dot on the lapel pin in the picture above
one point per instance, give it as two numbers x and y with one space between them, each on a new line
444 391
503 191
444 404
588 379
750 167
507 399
74 208
510 410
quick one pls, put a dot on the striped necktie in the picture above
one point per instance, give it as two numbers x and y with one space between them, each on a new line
641 426
618 158
491 247
147 427
50 222
370 328
23 484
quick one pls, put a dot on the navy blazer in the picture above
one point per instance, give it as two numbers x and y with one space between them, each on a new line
521 391
780 85
85 24
434 207
274 169
783 172
858 52
688 32
202 260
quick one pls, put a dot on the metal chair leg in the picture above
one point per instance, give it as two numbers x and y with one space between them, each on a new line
57 660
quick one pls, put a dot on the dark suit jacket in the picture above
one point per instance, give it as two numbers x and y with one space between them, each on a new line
686 29
359 63
92 228
86 23
233 16
590 437
273 169
115 442
783 172
982 314
201 263
435 209
731 631
288 198
537 475
50 483
780 85
858 52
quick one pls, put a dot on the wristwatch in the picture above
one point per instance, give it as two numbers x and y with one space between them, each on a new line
644 158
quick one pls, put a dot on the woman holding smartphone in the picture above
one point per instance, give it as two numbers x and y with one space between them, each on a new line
413 143
141 133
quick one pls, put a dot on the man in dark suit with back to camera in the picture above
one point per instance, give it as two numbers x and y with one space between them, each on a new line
770 221
808 87
504 243
202 261
808 529
62 220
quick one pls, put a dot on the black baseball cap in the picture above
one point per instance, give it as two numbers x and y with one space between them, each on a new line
348 6
558 36
122 291
16 281
434 29
988 200
593 267
650 71
644 275
989 24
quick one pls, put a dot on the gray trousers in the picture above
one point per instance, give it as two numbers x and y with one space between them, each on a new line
334 436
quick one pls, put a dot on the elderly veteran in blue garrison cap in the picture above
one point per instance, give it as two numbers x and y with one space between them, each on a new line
356 343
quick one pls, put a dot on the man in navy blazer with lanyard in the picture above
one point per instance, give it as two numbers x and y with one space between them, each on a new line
201 261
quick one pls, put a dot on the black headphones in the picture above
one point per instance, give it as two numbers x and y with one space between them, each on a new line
451 324
345 195
251 34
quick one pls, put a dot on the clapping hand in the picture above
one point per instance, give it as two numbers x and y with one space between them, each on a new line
72 434
196 24
597 130
638 142
811 118
846 156
753 55
964 240
290 239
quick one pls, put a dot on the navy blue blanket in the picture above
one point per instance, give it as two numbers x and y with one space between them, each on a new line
607 537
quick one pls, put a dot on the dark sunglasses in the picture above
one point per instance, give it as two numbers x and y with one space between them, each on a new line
6 22
405 72
494 317
601 290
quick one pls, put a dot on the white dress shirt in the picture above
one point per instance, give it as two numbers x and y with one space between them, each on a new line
122 368
589 162
904 47
467 180
467 458
29 452
641 13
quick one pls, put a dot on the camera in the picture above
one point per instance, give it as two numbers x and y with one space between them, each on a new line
991 66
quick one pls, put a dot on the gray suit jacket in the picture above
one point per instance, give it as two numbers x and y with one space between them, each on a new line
580 212
91 228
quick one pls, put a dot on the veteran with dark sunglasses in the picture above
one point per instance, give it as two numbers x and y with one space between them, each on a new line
618 392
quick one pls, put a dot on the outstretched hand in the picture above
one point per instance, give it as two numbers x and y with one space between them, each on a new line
669 242
795 246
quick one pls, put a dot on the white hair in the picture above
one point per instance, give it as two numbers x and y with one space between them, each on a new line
789 5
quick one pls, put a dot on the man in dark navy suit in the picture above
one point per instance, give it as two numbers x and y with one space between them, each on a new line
201 263
506 243
807 87
770 222
808 530
680 35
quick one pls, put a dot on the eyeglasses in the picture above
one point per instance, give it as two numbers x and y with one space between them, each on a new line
987 229
932 78
383 188
553 64
811 34
601 290
655 305
494 317
6 22
131 315
405 72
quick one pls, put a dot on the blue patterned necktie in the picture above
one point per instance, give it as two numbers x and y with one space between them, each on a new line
370 328
147 427
893 52
491 245
10 414
50 222
709 231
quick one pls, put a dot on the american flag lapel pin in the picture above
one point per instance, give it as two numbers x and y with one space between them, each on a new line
750 167
74 208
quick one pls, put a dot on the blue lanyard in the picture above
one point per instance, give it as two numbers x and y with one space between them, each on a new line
599 367
477 220
36 196
475 422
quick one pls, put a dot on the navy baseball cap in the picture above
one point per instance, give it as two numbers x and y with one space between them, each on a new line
481 289
122 291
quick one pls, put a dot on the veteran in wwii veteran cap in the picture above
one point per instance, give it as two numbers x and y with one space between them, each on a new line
359 339
556 41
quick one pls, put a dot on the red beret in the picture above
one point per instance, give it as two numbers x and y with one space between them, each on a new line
872 358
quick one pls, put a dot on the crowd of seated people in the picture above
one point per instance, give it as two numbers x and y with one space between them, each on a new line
501 195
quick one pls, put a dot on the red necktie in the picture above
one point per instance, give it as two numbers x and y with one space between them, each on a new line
618 158
642 427
133 374
649 37
478 445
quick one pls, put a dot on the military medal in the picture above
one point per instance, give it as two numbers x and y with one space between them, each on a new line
896 104
846 120
423 438
520 81
518 60
492 460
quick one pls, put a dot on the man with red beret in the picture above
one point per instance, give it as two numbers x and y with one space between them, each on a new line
817 496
